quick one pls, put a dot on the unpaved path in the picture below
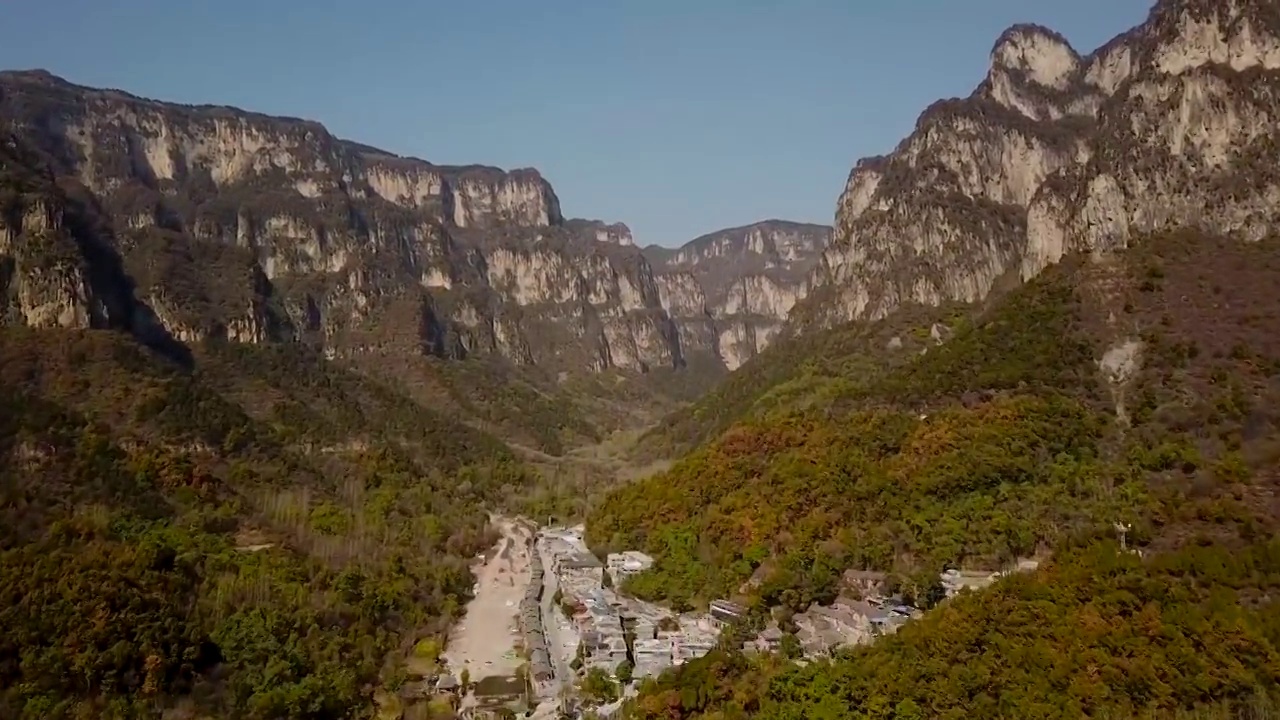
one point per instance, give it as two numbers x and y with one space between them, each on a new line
485 640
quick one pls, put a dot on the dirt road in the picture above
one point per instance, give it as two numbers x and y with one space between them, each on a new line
484 642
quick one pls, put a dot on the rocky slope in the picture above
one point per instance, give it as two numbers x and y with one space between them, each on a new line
214 223
734 288
1057 151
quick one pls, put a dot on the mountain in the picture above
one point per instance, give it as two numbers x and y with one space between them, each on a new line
1057 152
1164 127
1049 310
183 224
222 491
1140 390
217 528
738 285
250 228
324 240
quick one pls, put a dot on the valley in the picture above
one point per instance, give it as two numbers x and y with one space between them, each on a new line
296 427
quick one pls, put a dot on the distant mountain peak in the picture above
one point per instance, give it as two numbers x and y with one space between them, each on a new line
1038 54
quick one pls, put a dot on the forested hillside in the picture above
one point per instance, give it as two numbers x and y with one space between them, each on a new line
798 370
1141 389
259 535
1098 634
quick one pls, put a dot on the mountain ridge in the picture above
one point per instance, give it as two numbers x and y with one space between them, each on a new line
351 249
1042 180
990 189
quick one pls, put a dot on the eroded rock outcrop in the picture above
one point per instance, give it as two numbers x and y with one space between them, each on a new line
48 242
1170 124
734 288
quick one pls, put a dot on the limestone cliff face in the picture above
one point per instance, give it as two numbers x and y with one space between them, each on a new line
46 279
232 225
613 234
1188 137
734 288
1170 124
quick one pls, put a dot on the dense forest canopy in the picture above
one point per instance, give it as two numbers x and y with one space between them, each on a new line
261 536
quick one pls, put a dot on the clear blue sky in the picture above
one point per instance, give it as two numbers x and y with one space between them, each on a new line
675 116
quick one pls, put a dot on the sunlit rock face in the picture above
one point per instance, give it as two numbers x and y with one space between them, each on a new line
250 228
1170 124
734 288
224 224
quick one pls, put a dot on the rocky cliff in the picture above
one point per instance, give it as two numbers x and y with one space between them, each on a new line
734 288
1056 152
232 225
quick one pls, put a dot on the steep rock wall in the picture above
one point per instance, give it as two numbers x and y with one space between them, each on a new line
1056 152
252 228
734 288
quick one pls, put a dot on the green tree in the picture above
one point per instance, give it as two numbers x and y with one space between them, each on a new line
598 686
789 646
907 709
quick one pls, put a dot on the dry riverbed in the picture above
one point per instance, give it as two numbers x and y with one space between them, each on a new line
485 642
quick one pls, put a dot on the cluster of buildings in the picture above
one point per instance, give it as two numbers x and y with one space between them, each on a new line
602 636
579 577
695 636
534 635
824 628
866 610
613 628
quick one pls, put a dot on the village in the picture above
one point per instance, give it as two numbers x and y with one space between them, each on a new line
598 627
865 611
547 614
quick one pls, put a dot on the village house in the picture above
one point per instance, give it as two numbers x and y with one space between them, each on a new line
625 564
652 657
447 684
644 629
603 648
769 640
726 611
691 648
817 640
580 568
953 581
495 693
853 621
